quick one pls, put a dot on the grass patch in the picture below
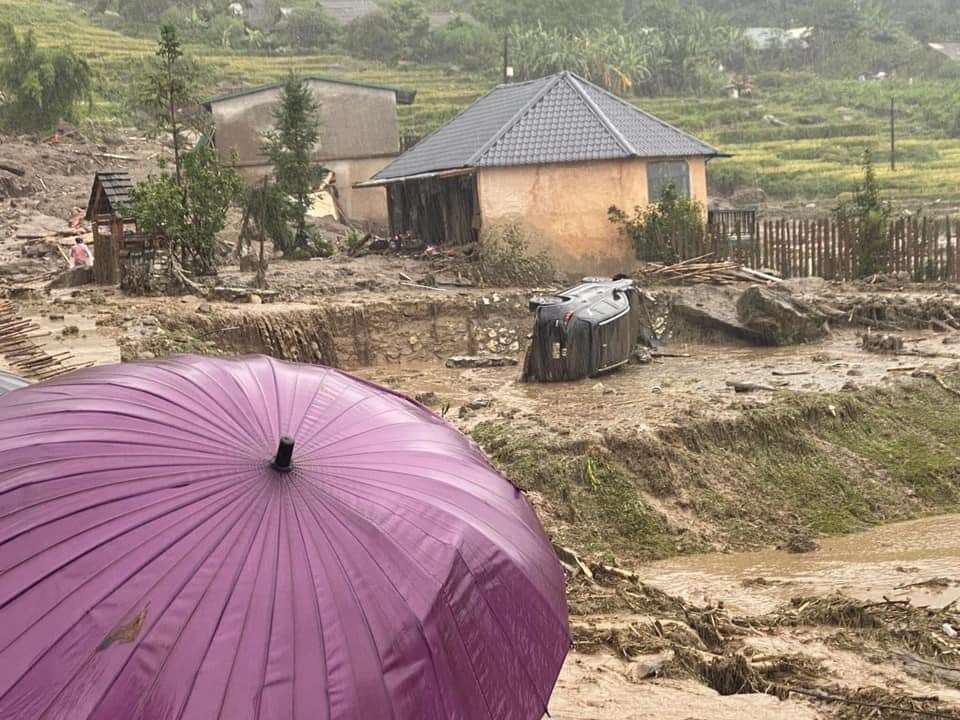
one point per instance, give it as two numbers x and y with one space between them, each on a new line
827 464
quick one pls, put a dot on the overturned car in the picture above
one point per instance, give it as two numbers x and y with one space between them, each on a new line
590 329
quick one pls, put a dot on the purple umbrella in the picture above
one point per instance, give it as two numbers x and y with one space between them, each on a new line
200 538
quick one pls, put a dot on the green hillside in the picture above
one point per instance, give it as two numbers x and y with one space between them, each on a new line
799 137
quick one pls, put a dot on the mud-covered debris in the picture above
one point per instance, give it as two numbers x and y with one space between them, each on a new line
875 343
75 277
778 318
799 543
481 361
748 387
244 295
429 398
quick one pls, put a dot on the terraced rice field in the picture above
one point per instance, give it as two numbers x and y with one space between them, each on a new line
799 137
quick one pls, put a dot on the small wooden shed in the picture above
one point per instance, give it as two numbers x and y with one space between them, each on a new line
107 211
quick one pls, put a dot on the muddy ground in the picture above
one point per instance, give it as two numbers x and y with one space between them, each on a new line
660 471
410 334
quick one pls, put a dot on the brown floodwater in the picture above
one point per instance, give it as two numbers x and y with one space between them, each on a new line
886 562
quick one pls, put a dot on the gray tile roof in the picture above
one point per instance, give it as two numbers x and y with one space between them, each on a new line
561 118
116 193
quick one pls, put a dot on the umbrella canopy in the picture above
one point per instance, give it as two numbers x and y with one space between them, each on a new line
164 555
10 382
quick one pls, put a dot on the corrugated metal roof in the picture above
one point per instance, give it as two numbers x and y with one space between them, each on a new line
561 118
404 97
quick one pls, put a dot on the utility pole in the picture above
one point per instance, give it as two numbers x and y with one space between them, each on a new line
893 134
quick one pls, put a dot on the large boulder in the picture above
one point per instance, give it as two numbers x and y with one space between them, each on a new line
75 277
778 318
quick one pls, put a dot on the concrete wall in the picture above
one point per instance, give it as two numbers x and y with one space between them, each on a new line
356 122
565 205
367 205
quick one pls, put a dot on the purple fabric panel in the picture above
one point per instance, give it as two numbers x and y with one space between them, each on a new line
154 566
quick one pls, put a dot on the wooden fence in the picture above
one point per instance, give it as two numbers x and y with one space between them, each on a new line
926 249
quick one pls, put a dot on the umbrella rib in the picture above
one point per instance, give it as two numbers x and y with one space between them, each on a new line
321 383
247 425
41 480
263 399
284 512
60 637
94 398
154 394
433 501
353 593
503 630
143 635
226 604
124 417
243 628
415 561
273 606
89 507
316 607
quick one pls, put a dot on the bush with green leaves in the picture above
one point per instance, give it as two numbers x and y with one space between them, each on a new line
371 36
658 229
469 45
189 213
870 216
40 85
308 28
399 31
505 258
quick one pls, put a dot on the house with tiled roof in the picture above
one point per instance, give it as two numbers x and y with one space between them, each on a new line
551 154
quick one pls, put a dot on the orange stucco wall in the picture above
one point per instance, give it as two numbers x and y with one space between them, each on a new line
565 205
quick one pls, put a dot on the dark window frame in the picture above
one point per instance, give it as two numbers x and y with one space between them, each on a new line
657 184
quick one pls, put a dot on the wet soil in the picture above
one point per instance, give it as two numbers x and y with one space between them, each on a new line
917 560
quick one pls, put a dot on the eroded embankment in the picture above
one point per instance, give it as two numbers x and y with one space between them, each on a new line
354 334
814 464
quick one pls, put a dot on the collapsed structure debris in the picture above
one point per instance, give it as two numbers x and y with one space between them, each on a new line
701 270
21 351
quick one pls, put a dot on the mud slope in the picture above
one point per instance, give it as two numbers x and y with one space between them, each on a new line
807 465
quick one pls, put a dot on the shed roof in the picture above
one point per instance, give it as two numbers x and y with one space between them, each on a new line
560 118
404 97
116 193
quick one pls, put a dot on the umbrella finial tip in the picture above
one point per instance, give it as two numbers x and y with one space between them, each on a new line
284 460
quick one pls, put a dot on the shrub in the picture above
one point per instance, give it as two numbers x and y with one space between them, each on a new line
41 85
871 217
658 229
372 36
505 258
189 213
308 28
475 47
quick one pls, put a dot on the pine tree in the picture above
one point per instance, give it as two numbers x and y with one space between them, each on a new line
290 149
171 84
